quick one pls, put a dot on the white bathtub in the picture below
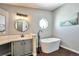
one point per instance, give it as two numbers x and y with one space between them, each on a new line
49 45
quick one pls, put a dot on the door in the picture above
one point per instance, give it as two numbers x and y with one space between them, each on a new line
28 47
17 48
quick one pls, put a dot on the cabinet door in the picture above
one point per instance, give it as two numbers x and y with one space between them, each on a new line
18 48
28 47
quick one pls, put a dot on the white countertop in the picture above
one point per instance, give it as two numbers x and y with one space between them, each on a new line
11 38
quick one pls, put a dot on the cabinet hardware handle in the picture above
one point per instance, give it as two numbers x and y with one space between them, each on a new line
24 42
21 42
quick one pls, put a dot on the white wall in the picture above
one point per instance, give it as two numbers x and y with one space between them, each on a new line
69 35
35 16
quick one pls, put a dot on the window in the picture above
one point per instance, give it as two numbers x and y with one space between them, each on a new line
43 23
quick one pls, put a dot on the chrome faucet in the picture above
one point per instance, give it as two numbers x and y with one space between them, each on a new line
22 35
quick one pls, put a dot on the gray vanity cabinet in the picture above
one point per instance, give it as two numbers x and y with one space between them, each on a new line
17 48
27 47
21 48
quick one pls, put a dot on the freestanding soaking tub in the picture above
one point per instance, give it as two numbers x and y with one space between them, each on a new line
49 45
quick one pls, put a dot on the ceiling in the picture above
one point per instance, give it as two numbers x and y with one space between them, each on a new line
44 6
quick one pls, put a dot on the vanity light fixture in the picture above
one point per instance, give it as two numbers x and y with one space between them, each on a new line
22 16
19 14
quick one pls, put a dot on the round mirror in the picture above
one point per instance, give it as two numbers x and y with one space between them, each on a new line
21 25
43 23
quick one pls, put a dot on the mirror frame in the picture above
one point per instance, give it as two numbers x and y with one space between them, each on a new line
23 20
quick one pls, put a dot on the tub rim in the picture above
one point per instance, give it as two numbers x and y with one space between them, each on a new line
47 40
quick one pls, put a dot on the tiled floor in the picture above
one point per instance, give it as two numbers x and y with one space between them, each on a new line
60 52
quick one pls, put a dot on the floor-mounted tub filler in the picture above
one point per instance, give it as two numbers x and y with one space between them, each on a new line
49 45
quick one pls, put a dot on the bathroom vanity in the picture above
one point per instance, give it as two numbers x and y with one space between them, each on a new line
20 46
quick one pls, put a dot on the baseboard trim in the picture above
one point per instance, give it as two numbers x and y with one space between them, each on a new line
70 49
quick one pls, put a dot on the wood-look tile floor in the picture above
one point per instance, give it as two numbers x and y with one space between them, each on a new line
60 52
